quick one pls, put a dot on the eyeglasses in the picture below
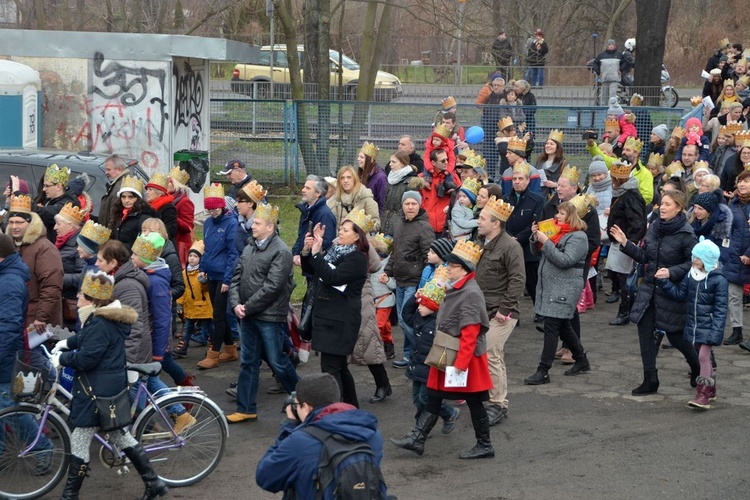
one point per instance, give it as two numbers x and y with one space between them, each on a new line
242 201
444 160
46 185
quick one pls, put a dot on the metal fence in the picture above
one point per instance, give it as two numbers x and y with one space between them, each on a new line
283 141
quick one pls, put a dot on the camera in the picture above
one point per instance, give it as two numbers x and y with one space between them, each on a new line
589 134
289 400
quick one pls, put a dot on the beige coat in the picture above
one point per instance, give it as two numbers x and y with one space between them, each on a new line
369 347
361 200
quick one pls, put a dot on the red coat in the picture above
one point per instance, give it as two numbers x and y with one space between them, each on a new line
433 204
185 220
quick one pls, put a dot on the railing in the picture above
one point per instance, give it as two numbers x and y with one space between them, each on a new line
477 74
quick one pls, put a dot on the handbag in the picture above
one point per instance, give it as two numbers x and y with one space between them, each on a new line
113 411
631 283
443 351
70 309
304 328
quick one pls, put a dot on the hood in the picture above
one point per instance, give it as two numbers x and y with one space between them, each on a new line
346 420
630 184
128 270
159 266
118 313
13 264
35 230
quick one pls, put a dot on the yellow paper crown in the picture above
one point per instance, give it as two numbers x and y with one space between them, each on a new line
474 160
471 185
433 291
583 202
701 164
448 103
636 100
505 123
675 169
728 83
198 246
57 175
724 43
370 150
132 183
255 191
571 173
730 128
360 219
556 135
522 167
98 285
179 175
655 159
634 144
441 275
742 138
695 100
159 181
620 170
384 240
611 125
267 212
146 249
678 132
498 208
467 251
20 204
442 130
517 144
72 214
96 232
214 190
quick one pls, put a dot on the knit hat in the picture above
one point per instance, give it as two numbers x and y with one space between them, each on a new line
7 247
611 42
598 166
442 248
414 195
708 253
213 197
715 71
77 185
92 236
23 186
614 107
198 247
694 122
707 201
661 131
724 58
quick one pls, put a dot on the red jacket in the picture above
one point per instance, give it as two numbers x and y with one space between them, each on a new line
448 146
433 204
185 219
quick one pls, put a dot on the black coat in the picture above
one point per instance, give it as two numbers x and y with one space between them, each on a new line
628 212
72 266
672 251
168 215
337 314
51 208
176 283
97 354
128 230
528 208
424 336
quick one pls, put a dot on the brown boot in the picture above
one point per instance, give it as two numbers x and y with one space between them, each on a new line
211 361
228 353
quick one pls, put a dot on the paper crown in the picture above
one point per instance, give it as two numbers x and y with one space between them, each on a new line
730 128
98 285
441 275
571 173
179 175
57 175
360 219
582 202
633 143
742 138
498 208
522 167
620 170
556 135
448 103
471 185
505 123
383 240
158 181
728 83
96 232
370 150
473 159
442 130
695 100
133 184
655 159
678 132
433 292
146 249
198 246
636 100
517 144
73 215
20 204
267 212
255 191
611 125
214 190
468 251
724 43
701 164
675 169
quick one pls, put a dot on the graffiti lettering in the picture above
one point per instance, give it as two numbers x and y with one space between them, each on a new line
188 102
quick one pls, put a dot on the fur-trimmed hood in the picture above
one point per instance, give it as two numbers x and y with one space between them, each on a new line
418 184
118 313
35 230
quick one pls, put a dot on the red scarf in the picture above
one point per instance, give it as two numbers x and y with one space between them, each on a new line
61 240
161 201
125 212
563 229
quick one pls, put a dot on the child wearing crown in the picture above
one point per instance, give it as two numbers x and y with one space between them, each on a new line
195 304
440 140
462 213
385 299
694 135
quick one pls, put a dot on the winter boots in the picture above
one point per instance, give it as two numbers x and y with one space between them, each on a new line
228 353
483 448
649 385
211 360
154 486
414 441
703 393
538 378
76 474
736 337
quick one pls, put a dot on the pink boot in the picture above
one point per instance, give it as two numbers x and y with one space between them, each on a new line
588 296
711 389
701 397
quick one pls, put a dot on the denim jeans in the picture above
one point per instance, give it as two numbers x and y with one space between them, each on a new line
171 368
404 293
535 76
155 384
192 326
419 399
26 428
260 337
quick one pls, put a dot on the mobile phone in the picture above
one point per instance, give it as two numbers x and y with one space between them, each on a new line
310 227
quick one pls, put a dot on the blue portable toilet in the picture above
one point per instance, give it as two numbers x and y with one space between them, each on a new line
20 101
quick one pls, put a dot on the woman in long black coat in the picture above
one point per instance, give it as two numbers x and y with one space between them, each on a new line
338 277
129 211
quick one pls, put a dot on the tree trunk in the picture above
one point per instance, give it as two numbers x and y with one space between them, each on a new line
651 33
324 86
311 17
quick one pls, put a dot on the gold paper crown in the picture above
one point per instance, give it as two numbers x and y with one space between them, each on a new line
571 173
433 291
724 43
695 100
57 175
467 251
582 202
701 164
198 246
522 167
498 209
146 249
96 232
267 212
675 169
620 169
611 124
655 159
20 204
449 102
505 123
633 143
742 138
441 275
179 175
473 159
255 191
728 83
131 182
517 144
636 100
158 180
678 132
730 128
383 239
214 190
72 214
556 135
471 185
98 285
442 130
370 150
361 219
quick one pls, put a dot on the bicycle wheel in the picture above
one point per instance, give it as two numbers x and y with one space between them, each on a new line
36 473
198 450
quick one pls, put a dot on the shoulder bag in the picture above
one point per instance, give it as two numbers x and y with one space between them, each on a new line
113 411
444 351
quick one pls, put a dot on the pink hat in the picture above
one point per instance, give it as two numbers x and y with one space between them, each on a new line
23 186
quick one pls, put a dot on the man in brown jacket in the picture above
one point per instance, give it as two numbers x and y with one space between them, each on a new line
501 277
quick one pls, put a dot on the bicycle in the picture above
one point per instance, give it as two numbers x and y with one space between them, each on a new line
35 442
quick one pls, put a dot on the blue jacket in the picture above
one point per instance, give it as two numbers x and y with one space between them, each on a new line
706 302
160 306
427 273
739 244
527 208
13 302
221 251
318 213
292 462
423 338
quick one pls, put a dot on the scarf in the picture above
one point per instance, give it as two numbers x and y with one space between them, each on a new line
396 176
338 252
602 185
61 240
631 183
125 212
85 311
192 268
161 201
743 198
704 228
563 229
698 274
672 225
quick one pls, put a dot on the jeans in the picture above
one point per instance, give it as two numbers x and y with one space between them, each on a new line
404 293
193 325
535 76
171 368
419 399
25 426
155 384
259 337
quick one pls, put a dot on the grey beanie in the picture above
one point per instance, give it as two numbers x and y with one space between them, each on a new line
598 166
614 107
662 131
611 42
414 195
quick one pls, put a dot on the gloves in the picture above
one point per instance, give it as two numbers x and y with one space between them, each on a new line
55 358
60 346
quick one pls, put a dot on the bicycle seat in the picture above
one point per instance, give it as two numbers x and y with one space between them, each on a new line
148 369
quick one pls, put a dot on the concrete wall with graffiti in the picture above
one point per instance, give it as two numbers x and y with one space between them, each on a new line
143 110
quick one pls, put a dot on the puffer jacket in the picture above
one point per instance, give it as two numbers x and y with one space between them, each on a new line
718 228
72 266
560 268
160 307
739 243
411 242
13 302
706 302
176 283
128 230
424 336
392 211
195 302
369 347
131 285
221 252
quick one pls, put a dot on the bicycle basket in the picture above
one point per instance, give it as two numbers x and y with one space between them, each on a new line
33 374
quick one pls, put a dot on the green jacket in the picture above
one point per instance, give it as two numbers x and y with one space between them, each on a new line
645 179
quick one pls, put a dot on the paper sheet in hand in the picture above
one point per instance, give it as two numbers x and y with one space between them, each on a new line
453 378
708 103
36 338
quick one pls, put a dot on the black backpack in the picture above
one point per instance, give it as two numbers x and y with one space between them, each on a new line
347 469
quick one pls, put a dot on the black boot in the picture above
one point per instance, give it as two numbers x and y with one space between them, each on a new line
414 441
381 393
540 377
580 366
483 448
154 486
623 313
649 385
76 474
736 336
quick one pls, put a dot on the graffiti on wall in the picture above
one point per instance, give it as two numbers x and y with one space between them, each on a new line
188 102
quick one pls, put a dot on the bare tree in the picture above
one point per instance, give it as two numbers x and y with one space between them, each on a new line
651 34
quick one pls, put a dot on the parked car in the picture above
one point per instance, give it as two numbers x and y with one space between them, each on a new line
255 80
30 166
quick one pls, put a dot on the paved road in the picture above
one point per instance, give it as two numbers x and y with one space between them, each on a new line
579 437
